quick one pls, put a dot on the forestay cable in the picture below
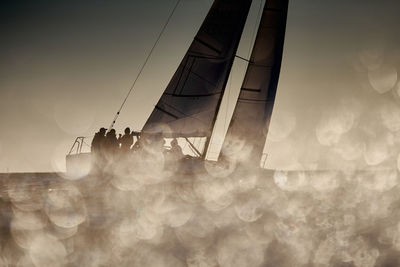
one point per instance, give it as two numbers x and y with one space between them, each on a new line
144 64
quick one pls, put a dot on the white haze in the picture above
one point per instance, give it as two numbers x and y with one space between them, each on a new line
140 212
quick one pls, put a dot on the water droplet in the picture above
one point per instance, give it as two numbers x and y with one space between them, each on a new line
383 79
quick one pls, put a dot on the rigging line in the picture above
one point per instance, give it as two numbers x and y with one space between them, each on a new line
193 147
194 152
145 63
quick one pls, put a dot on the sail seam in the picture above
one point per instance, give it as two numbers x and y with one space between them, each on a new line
196 55
205 95
207 45
202 78
251 90
177 117
166 112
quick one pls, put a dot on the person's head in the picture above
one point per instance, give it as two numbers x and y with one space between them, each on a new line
102 130
112 132
174 142
127 130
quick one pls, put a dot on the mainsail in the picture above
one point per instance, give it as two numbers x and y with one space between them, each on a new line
250 120
191 100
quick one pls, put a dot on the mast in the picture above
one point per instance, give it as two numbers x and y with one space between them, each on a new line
250 121
189 104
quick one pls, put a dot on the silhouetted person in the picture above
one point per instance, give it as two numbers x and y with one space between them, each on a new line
111 144
98 140
158 142
126 140
176 150
138 145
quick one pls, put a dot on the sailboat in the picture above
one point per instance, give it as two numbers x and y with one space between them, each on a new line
189 106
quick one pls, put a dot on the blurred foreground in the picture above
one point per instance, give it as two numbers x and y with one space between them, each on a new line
153 217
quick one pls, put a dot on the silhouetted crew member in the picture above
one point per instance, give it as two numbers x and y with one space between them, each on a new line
126 140
158 142
98 140
138 145
111 144
176 150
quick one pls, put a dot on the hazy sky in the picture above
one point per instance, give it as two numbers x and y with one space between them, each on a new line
66 66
